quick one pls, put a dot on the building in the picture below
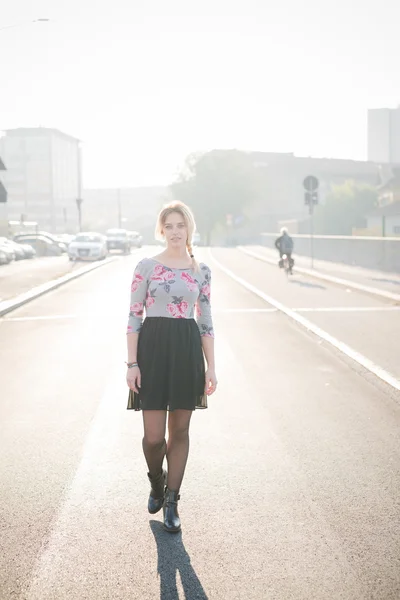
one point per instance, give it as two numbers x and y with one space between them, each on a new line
385 219
281 176
384 135
43 177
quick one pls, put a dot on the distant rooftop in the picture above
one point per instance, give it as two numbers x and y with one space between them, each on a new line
42 131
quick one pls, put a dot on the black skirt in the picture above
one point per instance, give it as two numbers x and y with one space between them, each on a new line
171 364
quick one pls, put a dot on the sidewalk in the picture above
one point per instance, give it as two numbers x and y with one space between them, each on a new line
389 282
21 276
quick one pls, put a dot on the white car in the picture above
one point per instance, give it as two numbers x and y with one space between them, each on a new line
88 246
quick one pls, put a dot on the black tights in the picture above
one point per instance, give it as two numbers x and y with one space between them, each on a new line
176 450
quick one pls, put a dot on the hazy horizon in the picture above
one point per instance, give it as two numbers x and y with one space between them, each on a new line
144 90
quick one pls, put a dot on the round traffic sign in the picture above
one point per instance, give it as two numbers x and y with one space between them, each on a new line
311 183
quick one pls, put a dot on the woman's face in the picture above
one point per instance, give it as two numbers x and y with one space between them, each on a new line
175 230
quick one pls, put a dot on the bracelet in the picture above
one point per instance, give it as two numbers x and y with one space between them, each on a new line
132 364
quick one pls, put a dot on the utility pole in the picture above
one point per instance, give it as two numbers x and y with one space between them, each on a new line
119 208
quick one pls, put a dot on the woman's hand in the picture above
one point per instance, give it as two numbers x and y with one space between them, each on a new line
211 382
133 379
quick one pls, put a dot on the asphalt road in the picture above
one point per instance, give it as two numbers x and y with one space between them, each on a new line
292 486
20 276
368 277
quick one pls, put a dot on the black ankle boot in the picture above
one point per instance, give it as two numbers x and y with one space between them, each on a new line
156 498
172 522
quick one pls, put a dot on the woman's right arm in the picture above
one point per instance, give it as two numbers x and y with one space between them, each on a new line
138 299
132 343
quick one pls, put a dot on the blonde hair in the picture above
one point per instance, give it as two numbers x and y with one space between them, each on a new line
187 215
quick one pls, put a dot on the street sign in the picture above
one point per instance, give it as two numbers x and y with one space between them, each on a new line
311 183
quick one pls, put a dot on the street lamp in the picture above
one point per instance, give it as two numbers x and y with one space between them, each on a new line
24 23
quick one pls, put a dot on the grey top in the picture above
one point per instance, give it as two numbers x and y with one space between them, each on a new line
173 293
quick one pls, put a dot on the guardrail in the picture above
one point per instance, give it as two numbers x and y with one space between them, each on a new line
381 253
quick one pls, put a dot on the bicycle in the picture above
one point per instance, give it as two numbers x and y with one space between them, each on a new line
287 265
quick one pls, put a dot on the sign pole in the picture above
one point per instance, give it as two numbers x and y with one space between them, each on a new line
311 184
312 234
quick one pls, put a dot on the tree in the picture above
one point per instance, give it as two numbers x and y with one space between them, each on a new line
346 207
217 184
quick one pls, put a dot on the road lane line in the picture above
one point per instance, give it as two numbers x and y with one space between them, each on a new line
332 309
324 335
350 309
329 278
94 316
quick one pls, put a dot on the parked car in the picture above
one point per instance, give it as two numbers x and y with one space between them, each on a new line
65 238
4 258
22 237
16 248
7 249
54 238
135 239
43 245
88 246
29 250
118 239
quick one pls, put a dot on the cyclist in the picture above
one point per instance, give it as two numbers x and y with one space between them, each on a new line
284 244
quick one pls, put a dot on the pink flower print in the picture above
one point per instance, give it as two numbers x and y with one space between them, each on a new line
136 310
162 274
150 300
198 309
129 329
178 308
190 282
137 280
206 291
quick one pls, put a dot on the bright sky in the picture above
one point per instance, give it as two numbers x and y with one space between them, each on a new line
144 83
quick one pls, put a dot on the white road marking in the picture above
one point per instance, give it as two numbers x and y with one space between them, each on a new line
217 311
336 280
350 309
244 310
342 347
43 317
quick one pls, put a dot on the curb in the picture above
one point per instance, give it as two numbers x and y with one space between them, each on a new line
336 280
9 305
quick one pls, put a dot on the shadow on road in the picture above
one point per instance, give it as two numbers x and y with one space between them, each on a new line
173 559
308 284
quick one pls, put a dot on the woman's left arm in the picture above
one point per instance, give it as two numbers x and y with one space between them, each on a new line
205 324
211 378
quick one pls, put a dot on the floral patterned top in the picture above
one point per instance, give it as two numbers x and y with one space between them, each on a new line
173 293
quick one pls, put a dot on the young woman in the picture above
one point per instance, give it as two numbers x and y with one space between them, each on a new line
166 368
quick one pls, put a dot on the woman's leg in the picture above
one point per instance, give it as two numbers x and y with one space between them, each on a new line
178 446
154 445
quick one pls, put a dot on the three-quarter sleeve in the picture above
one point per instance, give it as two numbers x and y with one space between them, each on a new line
138 298
203 305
